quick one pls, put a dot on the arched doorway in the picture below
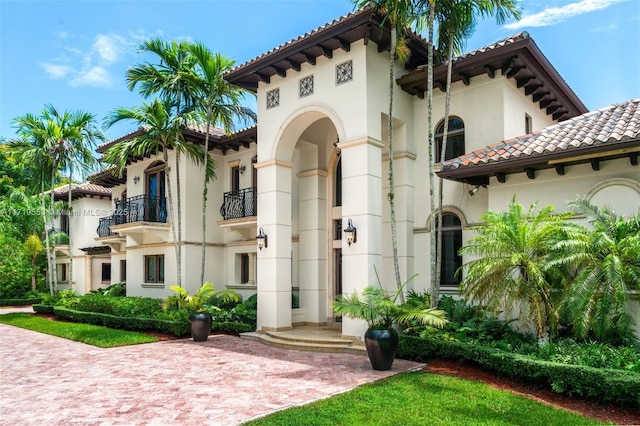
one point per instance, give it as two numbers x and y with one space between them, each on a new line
300 257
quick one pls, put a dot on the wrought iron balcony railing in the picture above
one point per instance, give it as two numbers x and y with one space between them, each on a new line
143 208
239 204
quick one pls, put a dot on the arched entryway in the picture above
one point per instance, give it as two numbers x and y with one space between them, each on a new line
297 210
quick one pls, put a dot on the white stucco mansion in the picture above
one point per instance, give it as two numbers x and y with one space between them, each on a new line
318 159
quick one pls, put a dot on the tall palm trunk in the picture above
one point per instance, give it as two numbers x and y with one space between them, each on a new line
443 151
391 194
430 143
47 244
176 243
69 198
204 196
54 267
179 221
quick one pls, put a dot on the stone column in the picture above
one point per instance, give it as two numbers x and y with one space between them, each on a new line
252 269
362 203
313 244
274 261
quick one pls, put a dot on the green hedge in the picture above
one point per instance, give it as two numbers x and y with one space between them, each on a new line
20 302
607 385
131 307
232 327
41 308
177 328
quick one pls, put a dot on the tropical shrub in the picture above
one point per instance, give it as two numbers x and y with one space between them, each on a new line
590 354
509 254
15 269
200 299
600 265
468 323
117 289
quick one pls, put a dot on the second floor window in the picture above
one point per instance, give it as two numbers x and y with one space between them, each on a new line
235 179
455 139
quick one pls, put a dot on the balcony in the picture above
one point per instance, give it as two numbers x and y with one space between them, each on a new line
239 204
143 208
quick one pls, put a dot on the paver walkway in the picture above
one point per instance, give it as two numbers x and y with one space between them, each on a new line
47 380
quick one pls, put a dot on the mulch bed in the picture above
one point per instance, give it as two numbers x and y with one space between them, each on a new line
591 409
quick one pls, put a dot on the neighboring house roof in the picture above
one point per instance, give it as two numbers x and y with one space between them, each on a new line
338 34
608 133
517 57
82 190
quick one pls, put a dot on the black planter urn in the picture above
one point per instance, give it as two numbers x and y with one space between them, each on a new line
381 347
200 326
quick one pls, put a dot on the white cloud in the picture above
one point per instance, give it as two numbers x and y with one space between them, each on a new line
555 15
83 63
108 48
606 28
95 77
56 71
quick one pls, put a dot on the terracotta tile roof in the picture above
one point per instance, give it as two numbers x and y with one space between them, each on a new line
77 190
214 131
299 39
600 130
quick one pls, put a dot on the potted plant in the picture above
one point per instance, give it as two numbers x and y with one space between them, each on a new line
380 310
195 305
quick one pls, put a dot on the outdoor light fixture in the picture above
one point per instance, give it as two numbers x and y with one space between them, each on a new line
242 169
136 179
338 151
261 238
350 233
473 191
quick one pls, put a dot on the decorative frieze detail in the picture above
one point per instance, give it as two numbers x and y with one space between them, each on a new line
344 72
273 98
306 86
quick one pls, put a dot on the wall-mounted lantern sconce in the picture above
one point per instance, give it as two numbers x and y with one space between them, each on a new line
242 169
261 238
338 151
136 179
350 233
473 191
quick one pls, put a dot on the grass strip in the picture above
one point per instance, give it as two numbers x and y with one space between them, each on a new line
95 335
420 398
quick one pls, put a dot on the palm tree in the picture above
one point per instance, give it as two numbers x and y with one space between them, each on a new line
511 252
53 141
163 131
76 154
456 23
170 80
400 14
220 102
601 266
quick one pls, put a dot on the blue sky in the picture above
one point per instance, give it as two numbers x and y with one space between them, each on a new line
73 54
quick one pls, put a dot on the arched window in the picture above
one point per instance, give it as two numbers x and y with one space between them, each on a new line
337 201
455 139
450 260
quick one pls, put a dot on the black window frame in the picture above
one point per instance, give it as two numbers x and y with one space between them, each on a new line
454 132
158 273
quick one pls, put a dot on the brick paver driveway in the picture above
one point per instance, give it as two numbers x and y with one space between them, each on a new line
47 380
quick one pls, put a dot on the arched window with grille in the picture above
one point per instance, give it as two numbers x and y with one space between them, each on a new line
455 139
450 260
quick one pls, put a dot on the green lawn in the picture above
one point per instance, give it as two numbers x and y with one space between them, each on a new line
95 335
424 399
